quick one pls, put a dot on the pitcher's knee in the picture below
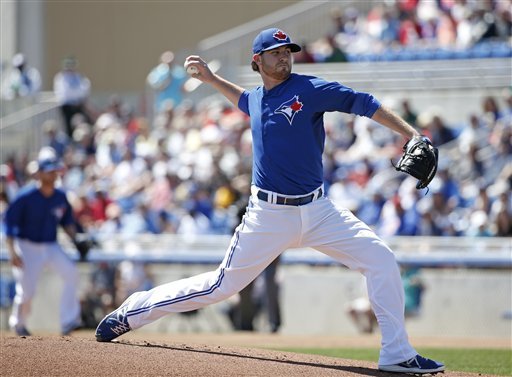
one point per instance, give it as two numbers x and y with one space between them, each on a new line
385 260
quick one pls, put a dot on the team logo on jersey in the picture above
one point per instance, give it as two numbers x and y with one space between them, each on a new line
280 36
58 212
290 108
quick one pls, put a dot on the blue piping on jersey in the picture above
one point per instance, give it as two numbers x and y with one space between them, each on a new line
200 293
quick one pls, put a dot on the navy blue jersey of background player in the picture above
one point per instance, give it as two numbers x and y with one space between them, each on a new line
288 130
34 217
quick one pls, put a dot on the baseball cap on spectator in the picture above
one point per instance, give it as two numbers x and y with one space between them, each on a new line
272 38
48 160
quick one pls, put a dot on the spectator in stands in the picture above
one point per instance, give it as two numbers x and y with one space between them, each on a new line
304 56
471 167
370 209
479 225
410 31
361 313
439 131
426 224
72 90
350 21
113 224
55 139
409 115
336 54
261 295
98 205
448 186
397 220
501 215
99 297
413 290
145 143
84 142
22 80
9 179
113 115
390 27
167 81
473 133
491 108
131 275
446 30
337 19
503 21
82 211
193 223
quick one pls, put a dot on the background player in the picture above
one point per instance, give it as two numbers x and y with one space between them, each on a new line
32 220
287 207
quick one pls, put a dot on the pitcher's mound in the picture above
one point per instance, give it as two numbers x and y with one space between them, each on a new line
82 356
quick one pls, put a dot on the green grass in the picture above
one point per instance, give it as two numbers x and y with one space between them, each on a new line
485 361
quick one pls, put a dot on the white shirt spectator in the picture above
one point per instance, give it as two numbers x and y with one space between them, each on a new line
70 86
21 80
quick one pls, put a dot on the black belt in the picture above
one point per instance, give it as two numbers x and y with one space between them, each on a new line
300 201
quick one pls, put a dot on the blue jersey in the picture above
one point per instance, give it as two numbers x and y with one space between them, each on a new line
34 217
288 129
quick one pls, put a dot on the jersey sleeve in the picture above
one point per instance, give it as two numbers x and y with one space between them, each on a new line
67 217
243 102
13 218
333 96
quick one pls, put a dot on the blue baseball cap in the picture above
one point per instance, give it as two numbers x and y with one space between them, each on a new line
272 38
49 164
48 160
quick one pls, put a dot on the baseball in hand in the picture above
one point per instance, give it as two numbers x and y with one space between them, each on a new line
191 70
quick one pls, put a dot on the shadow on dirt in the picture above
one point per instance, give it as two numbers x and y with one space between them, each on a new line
363 371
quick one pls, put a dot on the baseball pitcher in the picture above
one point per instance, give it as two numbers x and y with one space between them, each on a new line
288 207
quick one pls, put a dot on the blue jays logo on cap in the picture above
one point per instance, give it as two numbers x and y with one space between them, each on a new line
272 38
290 108
281 36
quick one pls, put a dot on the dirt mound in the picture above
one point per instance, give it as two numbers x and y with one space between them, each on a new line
80 355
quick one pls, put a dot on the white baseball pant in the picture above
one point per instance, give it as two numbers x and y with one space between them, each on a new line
37 256
265 232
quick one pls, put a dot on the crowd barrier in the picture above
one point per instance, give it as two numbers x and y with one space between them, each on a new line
433 252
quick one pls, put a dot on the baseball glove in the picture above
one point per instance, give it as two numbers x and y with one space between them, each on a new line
83 247
419 160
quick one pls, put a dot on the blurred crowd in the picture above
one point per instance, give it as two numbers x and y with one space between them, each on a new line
189 170
399 25
186 168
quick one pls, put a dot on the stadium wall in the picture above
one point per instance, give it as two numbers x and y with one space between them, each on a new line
117 43
473 303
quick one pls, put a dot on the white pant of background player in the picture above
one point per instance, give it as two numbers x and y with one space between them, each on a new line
265 232
37 256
